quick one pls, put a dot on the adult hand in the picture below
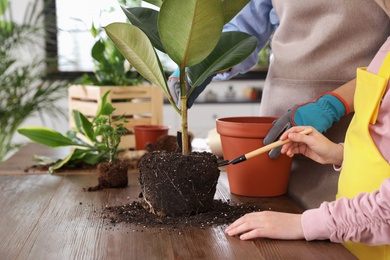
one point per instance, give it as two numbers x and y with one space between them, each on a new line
314 146
174 88
320 114
267 224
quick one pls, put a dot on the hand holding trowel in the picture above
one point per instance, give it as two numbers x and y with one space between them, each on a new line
261 150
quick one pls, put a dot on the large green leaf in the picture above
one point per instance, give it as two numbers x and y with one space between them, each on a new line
190 30
233 48
77 155
138 50
232 8
145 19
83 125
46 136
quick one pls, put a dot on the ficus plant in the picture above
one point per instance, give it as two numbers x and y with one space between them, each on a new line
101 137
190 33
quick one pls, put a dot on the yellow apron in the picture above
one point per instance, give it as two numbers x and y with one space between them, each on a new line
364 168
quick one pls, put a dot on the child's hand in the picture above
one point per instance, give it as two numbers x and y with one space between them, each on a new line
267 224
314 146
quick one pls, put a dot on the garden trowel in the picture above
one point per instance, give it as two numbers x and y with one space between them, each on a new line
260 150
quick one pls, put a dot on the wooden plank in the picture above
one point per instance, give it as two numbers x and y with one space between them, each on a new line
133 108
23 199
17 163
51 217
75 230
298 249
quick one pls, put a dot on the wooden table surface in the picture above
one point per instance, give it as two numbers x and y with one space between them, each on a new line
51 217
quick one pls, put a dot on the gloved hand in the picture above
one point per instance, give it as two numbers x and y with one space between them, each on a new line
174 88
320 114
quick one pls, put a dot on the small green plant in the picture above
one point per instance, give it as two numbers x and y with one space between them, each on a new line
103 135
110 129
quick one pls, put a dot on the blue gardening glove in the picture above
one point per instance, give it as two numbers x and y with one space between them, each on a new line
174 88
320 114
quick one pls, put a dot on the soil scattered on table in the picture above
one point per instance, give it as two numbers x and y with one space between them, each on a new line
133 213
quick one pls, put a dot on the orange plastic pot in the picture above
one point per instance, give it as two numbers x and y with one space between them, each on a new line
145 134
260 176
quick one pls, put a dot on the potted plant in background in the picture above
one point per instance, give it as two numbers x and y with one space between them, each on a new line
130 93
103 133
24 89
190 32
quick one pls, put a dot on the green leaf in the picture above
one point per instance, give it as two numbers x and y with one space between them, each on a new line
94 31
190 31
94 158
105 108
138 50
83 125
3 6
45 136
146 20
233 48
97 51
44 160
75 155
232 8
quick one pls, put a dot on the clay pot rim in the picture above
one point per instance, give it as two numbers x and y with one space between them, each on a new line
245 126
151 127
247 119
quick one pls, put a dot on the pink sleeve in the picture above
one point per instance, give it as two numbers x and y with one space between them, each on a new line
364 218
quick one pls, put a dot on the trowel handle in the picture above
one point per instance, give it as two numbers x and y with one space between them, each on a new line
273 145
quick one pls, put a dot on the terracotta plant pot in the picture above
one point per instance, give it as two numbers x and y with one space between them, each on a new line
260 176
145 134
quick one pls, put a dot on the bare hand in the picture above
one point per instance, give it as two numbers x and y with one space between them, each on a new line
267 224
314 146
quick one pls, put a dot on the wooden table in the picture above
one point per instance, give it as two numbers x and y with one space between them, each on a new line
51 217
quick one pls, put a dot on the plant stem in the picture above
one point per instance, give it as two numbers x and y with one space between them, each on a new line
184 126
184 110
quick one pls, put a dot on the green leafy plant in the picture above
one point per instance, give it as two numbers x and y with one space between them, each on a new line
190 33
100 142
110 66
110 129
24 89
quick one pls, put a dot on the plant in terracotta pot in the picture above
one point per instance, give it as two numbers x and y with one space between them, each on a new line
103 134
190 33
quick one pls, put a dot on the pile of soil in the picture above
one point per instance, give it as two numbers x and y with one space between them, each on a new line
173 184
222 213
111 175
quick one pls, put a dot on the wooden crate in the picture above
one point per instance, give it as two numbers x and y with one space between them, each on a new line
142 105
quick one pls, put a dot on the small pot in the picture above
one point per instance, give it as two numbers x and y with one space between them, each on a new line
145 134
260 176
